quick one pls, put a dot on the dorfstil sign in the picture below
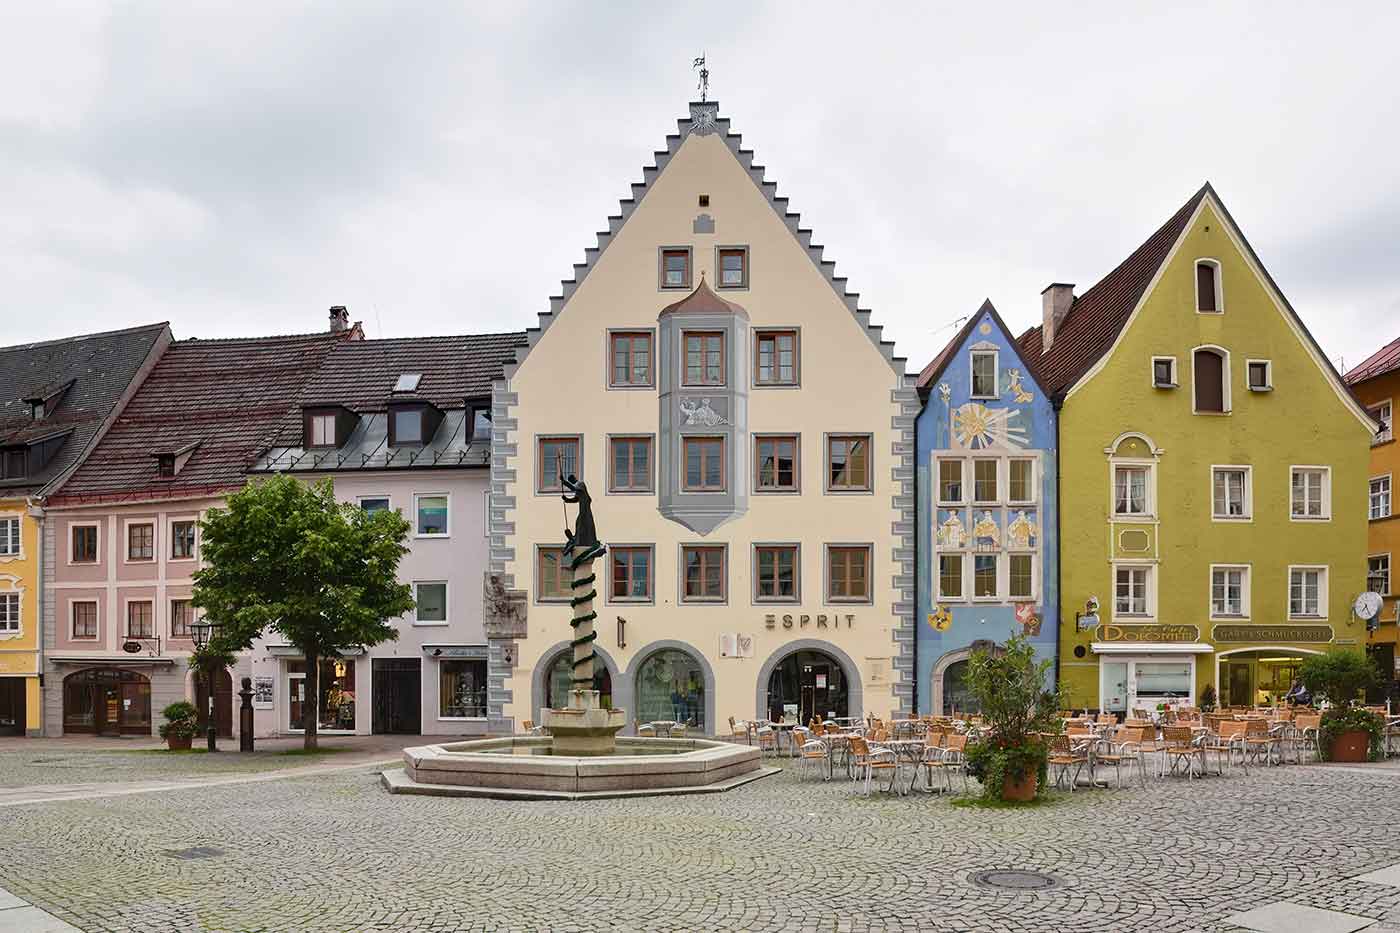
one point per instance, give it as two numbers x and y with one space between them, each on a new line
1258 634
1148 633
774 620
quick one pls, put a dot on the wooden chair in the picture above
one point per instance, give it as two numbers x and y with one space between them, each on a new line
1261 741
1124 748
1064 756
1306 735
1180 745
872 759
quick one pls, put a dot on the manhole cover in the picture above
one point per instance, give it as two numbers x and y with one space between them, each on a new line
1013 879
195 852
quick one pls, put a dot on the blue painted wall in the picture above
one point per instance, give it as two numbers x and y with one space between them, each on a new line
1019 421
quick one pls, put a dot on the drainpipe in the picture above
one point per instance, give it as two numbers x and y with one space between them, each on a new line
1057 403
35 509
918 523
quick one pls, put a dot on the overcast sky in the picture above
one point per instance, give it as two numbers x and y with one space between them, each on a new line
237 168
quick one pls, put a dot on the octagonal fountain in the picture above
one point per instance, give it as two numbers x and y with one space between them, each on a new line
581 756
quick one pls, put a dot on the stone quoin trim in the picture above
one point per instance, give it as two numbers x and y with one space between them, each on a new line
704 120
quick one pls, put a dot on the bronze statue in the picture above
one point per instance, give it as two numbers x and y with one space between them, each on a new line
584 537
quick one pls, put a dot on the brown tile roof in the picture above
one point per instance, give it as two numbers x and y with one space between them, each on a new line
361 374
1384 360
230 396
89 374
1098 316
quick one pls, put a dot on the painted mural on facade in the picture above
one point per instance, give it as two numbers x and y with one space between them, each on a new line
986 475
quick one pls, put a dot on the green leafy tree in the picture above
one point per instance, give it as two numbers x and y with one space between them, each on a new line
286 556
1009 685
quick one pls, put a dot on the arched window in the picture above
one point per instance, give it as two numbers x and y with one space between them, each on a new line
1211 380
671 686
1208 291
808 684
561 673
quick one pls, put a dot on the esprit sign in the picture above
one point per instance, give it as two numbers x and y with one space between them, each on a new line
1147 633
802 620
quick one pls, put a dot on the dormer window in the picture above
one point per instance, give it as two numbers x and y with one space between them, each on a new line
408 382
413 424
36 411
14 463
169 463
165 465
42 404
326 426
323 430
408 426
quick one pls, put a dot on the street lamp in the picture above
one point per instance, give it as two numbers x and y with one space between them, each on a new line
203 632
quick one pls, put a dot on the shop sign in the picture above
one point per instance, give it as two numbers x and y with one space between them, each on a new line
1184 634
803 620
1305 634
470 652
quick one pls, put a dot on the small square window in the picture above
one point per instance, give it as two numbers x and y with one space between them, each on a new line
432 516
141 542
1230 492
1381 412
675 268
407 382
629 467
558 457
1164 372
704 466
552 575
775 573
631 574
848 463
631 360
984 374
408 426
705 574
1260 375
775 463
431 599
776 358
1309 494
1130 596
734 267
848 573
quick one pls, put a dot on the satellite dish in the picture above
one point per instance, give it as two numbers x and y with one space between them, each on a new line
1367 606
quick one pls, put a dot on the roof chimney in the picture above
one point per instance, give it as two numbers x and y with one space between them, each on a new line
340 319
1055 301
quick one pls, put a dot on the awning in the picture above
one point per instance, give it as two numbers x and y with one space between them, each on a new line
1150 647
108 660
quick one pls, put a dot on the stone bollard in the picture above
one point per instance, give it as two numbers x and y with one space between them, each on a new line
245 716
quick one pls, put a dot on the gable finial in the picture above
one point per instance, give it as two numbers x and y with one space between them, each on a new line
704 86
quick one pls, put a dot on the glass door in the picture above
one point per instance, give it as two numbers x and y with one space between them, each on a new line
1113 686
296 701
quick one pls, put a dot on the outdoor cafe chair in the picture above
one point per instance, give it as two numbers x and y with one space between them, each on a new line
678 730
644 729
952 757
1261 741
767 738
872 758
739 730
1181 746
811 752
1306 735
1227 740
1065 755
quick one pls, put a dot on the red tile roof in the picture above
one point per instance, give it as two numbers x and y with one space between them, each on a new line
1384 360
230 396
1098 316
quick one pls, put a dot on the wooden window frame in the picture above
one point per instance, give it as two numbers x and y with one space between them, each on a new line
1225 398
1031 482
705 549
553 486
791 547
829 581
720 253
552 599
996 481
132 603
1034 576
1172 381
1268 385
942 595
96 543
849 489
313 418
73 619
773 333
194 538
796 487
938 481
972 374
686 441
155 544
649 442
189 620
631 335
704 359
661 255
614 551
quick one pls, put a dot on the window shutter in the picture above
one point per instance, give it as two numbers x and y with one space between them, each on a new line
1205 287
1210 389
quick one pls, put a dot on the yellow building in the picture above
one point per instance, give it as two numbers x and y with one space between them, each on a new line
1376 383
1213 471
56 400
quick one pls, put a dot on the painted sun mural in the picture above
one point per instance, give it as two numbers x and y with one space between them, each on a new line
977 427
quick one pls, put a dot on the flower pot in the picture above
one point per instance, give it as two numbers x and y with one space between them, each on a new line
179 743
1350 747
1020 788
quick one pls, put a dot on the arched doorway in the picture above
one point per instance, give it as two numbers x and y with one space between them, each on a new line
223 702
107 701
559 681
950 692
807 684
1258 675
670 684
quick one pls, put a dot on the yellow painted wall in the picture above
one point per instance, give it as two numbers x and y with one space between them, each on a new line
19 654
1302 421
1384 533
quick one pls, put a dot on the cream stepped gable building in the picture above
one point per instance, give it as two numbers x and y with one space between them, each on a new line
747 440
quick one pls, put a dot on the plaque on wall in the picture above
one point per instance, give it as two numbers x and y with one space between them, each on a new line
1148 632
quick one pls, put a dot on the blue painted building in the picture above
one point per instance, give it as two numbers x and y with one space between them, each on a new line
987 548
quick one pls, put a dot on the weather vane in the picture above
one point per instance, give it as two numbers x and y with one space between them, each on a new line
704 86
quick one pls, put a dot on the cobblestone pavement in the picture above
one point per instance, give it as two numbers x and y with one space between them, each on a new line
336 853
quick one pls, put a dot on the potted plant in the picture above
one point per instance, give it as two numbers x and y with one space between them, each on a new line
181 725
1010 686
1349 732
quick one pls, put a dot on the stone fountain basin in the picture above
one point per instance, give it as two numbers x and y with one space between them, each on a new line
520 767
